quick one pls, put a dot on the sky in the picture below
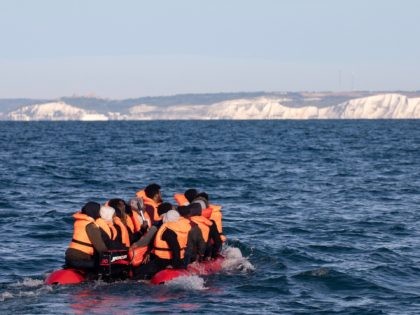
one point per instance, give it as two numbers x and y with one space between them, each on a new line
134 48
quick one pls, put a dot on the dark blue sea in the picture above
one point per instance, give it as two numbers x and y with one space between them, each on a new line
322 217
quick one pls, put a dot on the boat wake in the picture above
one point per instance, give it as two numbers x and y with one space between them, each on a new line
188 283
26 288
234 261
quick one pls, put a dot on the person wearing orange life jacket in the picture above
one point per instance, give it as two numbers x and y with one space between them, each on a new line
152 197
87 244
139 252
197 236
211 212
122 222
108 231
186 198
140 219
169 245
140 249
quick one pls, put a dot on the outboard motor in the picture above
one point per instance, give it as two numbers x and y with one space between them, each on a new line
114 265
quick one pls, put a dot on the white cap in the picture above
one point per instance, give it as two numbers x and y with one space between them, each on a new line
107 213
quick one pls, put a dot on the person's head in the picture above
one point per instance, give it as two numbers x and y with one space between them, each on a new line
136 204
107 213
190 194
203 195
119 206
184 211
91 209
202 200
164 207
152 191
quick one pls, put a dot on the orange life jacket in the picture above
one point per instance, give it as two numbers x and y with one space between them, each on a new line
136 255
138 220
216 216
181 200
130 223
181 229
125 238
80 240
135 218
207 212
107 227
113 230
147 218
150 202
204 225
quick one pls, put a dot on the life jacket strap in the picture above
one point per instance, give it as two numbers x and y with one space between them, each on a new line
159 248
81 243
167 249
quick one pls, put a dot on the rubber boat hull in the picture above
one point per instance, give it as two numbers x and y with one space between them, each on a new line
73 276
203 269
65 276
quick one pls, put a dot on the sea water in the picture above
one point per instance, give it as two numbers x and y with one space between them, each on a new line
321 216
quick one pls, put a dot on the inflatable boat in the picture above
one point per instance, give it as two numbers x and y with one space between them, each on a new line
74 276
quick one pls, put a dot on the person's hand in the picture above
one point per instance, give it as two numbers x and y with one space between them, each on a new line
146 259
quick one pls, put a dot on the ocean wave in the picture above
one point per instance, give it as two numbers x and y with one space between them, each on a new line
338 281
189 283
26 288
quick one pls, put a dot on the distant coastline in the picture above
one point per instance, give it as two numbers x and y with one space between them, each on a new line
235 106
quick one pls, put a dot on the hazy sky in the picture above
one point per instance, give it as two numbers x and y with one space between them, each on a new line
121 49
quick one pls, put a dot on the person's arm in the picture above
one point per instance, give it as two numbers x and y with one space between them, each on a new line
201 245
195 209
146 238
190 251
150 212
95 238
170 237
217 241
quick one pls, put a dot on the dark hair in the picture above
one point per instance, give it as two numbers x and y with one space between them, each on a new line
91 209
151 190
164 207
204 195
184 210
114 204
190 194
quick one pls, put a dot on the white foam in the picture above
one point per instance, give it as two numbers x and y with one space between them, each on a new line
28 287
29 283
26 283
356 302
235 261
5 295
190 283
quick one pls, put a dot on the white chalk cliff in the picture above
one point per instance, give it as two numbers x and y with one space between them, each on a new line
58 111
382 106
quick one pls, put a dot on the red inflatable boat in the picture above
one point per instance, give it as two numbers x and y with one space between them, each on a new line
203 269
73 276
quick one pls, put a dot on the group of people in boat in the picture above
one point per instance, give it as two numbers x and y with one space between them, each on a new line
152 233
